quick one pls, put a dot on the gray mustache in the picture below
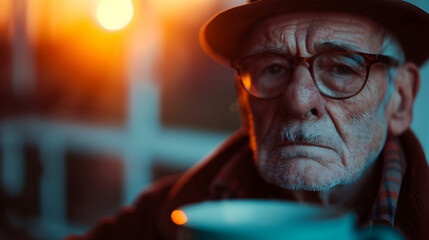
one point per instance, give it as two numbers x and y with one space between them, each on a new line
296 135
289 135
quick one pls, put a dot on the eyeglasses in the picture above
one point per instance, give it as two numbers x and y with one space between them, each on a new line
337 74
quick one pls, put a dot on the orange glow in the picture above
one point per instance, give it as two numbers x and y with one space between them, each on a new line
5 12
179 217
185 10
78 59
70 30
114 14
246 82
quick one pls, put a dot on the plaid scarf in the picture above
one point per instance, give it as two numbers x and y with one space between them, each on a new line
393 170
239 179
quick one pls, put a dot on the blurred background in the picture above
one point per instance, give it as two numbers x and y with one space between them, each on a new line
98 98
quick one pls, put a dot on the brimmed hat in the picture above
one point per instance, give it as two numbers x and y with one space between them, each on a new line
223 35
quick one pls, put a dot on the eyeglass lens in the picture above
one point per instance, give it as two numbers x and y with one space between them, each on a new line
336 74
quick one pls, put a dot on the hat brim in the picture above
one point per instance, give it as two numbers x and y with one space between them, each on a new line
223 35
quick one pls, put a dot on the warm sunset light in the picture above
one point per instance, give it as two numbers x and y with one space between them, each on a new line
114 14
179 217
246 81
185 10
5 12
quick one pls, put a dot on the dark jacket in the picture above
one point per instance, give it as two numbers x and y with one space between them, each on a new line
149 217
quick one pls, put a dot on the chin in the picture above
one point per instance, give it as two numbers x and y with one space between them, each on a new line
300 174
307 186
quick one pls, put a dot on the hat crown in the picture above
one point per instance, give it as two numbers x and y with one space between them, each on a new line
226 32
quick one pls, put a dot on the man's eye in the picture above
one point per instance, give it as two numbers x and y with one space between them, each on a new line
274 70
342 70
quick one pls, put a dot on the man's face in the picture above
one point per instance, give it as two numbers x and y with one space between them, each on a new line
303 140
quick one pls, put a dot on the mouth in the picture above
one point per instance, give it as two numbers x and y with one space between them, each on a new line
304 144
308 150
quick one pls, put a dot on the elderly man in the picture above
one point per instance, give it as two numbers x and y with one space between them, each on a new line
326 89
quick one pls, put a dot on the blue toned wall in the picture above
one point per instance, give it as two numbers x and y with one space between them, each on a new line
421 107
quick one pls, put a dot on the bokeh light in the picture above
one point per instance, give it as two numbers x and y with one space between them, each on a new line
179 217
114 14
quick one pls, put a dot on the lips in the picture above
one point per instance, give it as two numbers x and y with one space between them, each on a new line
301 147
303 143
305 136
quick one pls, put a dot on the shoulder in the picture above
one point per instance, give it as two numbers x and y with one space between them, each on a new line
413 204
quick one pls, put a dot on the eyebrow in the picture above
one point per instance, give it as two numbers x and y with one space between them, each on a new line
335 46
326 46
278 51
323 47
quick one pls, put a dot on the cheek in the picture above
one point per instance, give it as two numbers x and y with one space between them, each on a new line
360 121
376 87
365 111
363 129
370 137
261 116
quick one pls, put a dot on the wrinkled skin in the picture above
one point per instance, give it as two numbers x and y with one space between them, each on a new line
303 140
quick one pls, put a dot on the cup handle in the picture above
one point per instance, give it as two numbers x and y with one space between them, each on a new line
380 233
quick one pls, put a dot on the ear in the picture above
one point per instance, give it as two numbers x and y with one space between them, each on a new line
406 86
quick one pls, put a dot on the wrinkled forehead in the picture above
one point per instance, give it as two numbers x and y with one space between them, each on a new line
305 33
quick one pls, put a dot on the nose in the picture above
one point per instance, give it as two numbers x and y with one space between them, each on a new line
301 99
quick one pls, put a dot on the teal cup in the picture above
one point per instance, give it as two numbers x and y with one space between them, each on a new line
272 220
